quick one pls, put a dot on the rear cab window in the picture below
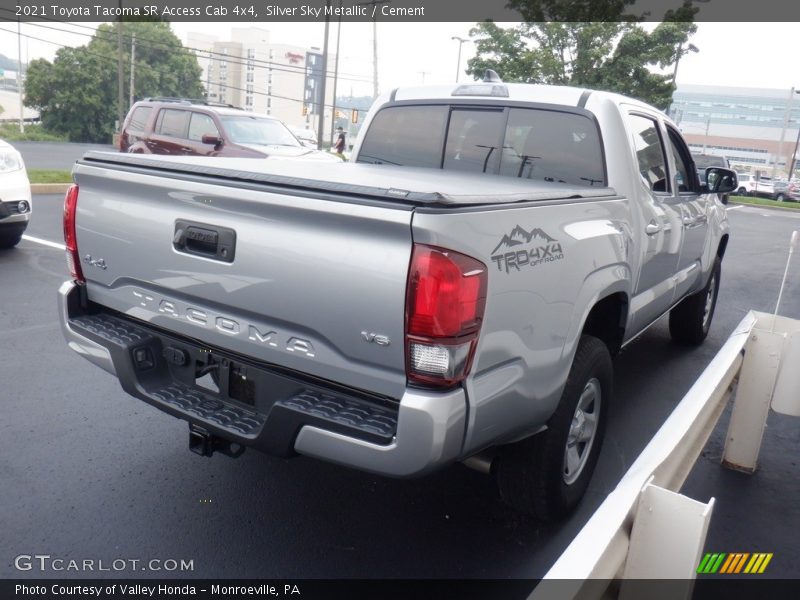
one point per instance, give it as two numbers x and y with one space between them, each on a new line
529 143
139 118
650 155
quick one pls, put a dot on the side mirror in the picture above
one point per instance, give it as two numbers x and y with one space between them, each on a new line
210 138
720 180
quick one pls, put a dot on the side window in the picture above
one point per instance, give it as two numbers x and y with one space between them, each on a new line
412 136
173 123
201 125
552 146
683 162
139 118
474 140
649 152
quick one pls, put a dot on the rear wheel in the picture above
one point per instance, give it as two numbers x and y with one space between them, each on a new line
690 320
780 197
741 191
546 475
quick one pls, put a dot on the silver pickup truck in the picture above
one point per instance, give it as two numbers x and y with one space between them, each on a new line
454 293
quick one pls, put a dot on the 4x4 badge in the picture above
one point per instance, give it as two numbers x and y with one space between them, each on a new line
100 263
522 248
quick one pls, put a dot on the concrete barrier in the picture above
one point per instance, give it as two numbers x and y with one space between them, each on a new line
49 188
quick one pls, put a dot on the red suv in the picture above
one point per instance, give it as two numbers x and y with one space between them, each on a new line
193 128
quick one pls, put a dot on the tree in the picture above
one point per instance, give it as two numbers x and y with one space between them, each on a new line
586 43
76 94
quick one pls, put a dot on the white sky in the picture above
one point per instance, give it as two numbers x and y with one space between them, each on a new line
761 55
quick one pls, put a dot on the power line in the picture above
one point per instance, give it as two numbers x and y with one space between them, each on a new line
160 71
187 50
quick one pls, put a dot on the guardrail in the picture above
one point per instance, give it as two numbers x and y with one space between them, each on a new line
645 529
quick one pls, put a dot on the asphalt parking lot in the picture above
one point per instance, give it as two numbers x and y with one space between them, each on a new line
90 473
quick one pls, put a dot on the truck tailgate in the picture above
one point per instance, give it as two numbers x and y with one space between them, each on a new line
309 284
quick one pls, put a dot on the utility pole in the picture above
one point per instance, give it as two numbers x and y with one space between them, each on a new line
321 107
120 74
423 73
336 71
705 139
374 4
19 76
783 131
133 66
794 154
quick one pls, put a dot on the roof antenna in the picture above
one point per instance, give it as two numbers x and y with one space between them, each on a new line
491 76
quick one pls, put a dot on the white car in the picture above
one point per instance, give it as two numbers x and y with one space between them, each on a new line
15 196
749 186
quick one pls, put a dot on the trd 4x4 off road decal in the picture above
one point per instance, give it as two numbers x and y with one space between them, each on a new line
520 249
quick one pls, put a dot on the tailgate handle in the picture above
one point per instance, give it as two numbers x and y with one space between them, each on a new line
201 239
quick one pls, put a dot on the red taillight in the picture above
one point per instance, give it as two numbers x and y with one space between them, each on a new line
70 239
445 301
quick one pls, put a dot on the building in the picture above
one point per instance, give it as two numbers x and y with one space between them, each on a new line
755 129
252 73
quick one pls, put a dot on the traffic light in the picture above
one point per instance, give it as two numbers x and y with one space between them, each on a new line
354 116
305 109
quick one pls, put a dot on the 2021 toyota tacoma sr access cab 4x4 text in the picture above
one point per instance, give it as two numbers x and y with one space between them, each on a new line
455 292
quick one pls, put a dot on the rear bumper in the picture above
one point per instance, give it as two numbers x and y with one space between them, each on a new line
280 412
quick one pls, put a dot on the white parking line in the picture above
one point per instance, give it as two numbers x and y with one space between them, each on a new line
48 243
730 208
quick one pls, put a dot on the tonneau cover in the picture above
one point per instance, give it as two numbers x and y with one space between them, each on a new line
411 185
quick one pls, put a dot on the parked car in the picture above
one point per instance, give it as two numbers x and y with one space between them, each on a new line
15 196
179 127
703 161
787 190
307 137
751 185
455 293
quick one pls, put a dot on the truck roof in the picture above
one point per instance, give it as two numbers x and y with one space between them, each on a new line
517 92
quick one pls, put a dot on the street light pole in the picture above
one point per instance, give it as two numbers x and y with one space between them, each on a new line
458 62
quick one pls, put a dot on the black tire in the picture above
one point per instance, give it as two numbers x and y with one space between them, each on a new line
9 239
780 197
741 191
532 475
690 320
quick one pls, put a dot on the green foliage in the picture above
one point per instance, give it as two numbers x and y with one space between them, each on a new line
49 176
585 43
76 94
33 133
764 202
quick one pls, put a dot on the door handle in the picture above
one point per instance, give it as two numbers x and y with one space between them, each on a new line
200 239
652 228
